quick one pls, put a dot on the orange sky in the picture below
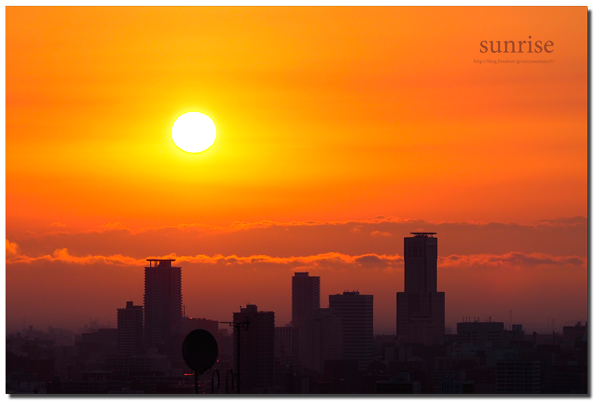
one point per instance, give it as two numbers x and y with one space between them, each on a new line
322 114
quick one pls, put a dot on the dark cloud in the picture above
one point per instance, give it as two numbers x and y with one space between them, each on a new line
381 236
370 260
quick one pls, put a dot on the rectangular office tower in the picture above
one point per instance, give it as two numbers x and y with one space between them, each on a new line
420 309
130 324
255 338
162 303
321 338
306 296
356 312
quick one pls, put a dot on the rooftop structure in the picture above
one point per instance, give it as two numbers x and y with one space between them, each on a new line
154 262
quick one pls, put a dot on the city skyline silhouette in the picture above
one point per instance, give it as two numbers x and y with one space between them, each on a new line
336 344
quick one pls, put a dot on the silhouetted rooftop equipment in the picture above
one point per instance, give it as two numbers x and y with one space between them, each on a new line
160 262
423 234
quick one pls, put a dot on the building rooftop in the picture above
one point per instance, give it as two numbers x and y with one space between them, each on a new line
160 262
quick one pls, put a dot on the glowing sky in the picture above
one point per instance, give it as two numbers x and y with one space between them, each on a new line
328 115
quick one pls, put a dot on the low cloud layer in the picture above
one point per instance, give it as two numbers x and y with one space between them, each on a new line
382 236
538 271
511 259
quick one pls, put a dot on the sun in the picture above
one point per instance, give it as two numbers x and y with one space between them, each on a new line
194 132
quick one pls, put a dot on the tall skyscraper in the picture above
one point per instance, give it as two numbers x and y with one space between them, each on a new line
162 303
306 296
420 309
356 312
256 348
130 326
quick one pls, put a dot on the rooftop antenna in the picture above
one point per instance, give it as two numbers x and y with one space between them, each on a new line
510 320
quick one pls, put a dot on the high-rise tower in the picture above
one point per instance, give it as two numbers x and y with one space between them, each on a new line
306 296
130 323
162 302
255 338
420 309
356 313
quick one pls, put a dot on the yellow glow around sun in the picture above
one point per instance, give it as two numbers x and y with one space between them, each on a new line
194 132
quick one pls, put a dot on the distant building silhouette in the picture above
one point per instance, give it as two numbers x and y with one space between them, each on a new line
162 303
420 309
306 296
576 332
516 334
257 348
189 324
450 386
399 384
481 333
356 312
518 376
321 337
286 345
104 342
130 324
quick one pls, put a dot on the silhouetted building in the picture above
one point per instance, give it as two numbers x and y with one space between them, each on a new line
286 345
451 386
575 333
399 384
130 326
189 324
257 348
343 369
321 337
100 344
356 312
162 303
479 334
420 309
517 377
306 296
514 336
566 379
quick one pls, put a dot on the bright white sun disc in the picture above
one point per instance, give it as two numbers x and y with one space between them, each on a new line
194 132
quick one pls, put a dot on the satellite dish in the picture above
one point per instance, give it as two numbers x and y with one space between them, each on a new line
200 350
